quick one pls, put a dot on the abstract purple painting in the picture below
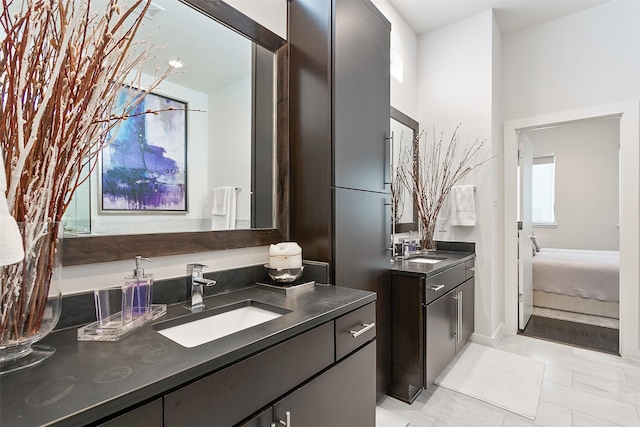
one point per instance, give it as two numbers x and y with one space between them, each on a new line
144 168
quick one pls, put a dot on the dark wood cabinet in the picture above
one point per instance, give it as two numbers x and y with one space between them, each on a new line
263 419
230 395
432 319
407 350
361 97
467 326
440 336
342 396
301 374
149 415
339 106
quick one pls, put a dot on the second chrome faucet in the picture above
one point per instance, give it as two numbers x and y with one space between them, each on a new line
195 285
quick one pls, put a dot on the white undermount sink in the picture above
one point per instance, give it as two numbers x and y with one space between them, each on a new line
213 324
425 260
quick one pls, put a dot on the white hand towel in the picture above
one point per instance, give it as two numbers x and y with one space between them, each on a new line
11 250
224 208
462 210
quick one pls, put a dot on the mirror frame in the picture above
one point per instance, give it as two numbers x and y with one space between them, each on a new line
397 115
95 249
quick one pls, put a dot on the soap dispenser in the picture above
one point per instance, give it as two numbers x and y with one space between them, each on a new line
142 285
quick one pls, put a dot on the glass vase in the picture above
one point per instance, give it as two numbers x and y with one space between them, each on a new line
30 297
428 242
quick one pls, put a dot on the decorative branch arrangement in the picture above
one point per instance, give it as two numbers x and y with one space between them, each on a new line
438 169
62 64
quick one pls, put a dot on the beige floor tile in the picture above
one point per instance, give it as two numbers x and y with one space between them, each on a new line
552 415
608 359
632 375
536 343
459 410
558 375
562 360
519 349
590 404
408 412
549 415
584 420
616 390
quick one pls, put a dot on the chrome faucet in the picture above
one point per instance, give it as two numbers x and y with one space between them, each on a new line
195 282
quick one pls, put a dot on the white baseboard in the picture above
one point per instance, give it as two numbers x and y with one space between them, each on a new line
489 341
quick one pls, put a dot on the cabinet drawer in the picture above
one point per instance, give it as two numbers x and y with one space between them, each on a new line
438 285
469 268
232 394
354 323
149 415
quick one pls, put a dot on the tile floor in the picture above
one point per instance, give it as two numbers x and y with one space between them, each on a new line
581 388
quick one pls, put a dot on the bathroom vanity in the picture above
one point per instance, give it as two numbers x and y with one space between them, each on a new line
314 365
432 317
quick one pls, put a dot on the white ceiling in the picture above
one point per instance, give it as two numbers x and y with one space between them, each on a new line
512 15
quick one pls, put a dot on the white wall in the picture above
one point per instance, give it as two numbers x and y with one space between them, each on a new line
586 184
272 14
580 60
583 65
230 138
404 42
456 84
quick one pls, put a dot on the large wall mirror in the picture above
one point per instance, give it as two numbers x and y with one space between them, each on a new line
233 82
405 131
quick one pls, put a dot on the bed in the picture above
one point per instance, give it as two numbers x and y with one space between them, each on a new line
581 281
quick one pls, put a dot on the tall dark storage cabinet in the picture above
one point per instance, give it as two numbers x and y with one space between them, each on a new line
339 125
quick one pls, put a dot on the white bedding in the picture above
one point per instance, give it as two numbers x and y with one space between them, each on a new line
583 273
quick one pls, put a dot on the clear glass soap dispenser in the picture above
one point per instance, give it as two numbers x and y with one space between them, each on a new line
142 285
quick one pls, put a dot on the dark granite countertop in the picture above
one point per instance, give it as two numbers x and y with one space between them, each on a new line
86 381
450 259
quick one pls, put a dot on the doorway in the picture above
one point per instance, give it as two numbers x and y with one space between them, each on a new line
569 211
628 114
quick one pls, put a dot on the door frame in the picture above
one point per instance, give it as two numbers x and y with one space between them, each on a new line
629 114
525 258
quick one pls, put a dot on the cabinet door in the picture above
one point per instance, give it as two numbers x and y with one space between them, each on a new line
361 261
342 396
468 312
441 341
361 97
263 419
407 334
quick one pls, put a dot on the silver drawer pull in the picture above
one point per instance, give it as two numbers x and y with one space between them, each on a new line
436 288
367 327
472 269
287 422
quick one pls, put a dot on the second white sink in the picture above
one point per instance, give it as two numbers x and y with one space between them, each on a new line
424 260
209 326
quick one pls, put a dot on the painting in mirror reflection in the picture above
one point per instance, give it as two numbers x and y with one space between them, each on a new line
218 83
144 166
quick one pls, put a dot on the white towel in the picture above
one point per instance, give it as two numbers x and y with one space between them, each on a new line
224 208
462 209
11 250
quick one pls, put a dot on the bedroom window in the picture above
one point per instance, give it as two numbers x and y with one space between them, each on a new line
543 190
